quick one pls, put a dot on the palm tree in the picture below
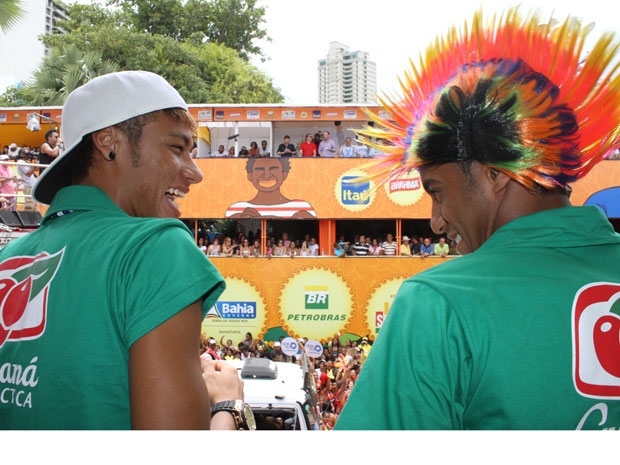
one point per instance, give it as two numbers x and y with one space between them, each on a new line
11 13
63 70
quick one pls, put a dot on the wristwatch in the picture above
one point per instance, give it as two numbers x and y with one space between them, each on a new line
241 412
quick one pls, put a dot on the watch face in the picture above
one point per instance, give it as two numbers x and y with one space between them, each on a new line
249 417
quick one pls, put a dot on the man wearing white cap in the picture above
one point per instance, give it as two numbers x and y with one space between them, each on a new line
107 336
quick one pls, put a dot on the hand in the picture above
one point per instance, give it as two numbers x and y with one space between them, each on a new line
222 381
250 212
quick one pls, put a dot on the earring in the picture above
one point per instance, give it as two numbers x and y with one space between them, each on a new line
111 155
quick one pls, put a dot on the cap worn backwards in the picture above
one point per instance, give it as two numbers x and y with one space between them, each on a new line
102 102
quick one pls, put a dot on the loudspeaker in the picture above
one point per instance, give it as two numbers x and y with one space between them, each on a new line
29 219
10 219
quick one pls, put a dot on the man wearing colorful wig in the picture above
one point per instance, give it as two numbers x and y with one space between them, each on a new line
521 332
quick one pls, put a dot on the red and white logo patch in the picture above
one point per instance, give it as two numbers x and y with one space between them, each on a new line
24 285
596 340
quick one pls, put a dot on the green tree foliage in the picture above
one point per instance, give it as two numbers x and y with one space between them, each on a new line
233 23
203 72
63 70
11 13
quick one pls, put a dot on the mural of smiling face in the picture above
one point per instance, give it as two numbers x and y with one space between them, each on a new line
267 174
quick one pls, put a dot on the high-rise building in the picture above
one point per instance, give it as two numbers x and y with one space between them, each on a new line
347 77
21 52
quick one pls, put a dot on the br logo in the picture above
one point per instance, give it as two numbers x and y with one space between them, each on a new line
596 340
24 286
316 298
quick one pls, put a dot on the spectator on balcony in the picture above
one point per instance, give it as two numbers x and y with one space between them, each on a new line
244 250
375 248
405 247
327 147
361 150
360 248
308 147
339 250
314 247
389 246
347 150
442 249
221 152
286 240
269 248
231 152
255 249
304 251
279 250
227 247
201 245
215 249
244 152
292 250
264 152
286 149
427 248
254 151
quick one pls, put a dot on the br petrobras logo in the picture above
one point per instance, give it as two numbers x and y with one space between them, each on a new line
233 310
24 286
596 340
316 298
355 192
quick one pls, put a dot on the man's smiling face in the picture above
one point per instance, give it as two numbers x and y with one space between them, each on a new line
462 204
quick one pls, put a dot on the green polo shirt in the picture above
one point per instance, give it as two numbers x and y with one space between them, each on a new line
517 335
83 288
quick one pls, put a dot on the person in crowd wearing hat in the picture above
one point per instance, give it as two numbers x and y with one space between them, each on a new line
522 331
405 247
13 151
50 149
141 297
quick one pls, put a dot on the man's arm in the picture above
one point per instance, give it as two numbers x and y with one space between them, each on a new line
167 389
52 152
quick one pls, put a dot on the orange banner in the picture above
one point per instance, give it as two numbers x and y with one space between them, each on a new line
300 188
317 298
325 188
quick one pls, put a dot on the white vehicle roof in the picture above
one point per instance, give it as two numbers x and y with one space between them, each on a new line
286 388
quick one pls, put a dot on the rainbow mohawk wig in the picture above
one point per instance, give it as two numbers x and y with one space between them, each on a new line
513 95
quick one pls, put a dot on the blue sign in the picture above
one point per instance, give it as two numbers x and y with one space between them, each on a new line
355 193
236 310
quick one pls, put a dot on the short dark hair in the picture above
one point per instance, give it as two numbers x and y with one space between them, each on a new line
50 132
287 137
286 164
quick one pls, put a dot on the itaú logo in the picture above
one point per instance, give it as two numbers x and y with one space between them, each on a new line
355 191
24 286
596 340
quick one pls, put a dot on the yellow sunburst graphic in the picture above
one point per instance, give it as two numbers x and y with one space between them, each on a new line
316 303
379 303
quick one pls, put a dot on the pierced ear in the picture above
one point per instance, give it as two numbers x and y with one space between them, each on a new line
105 141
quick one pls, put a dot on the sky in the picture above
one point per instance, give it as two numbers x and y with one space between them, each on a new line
391 31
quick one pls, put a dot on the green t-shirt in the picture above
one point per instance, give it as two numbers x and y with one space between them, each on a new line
518 335
100 281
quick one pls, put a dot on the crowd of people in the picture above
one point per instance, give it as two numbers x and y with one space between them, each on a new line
21 175
361 246
321 144
335 371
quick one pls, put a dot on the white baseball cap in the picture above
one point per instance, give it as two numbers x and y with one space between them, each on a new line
102 102
405 238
